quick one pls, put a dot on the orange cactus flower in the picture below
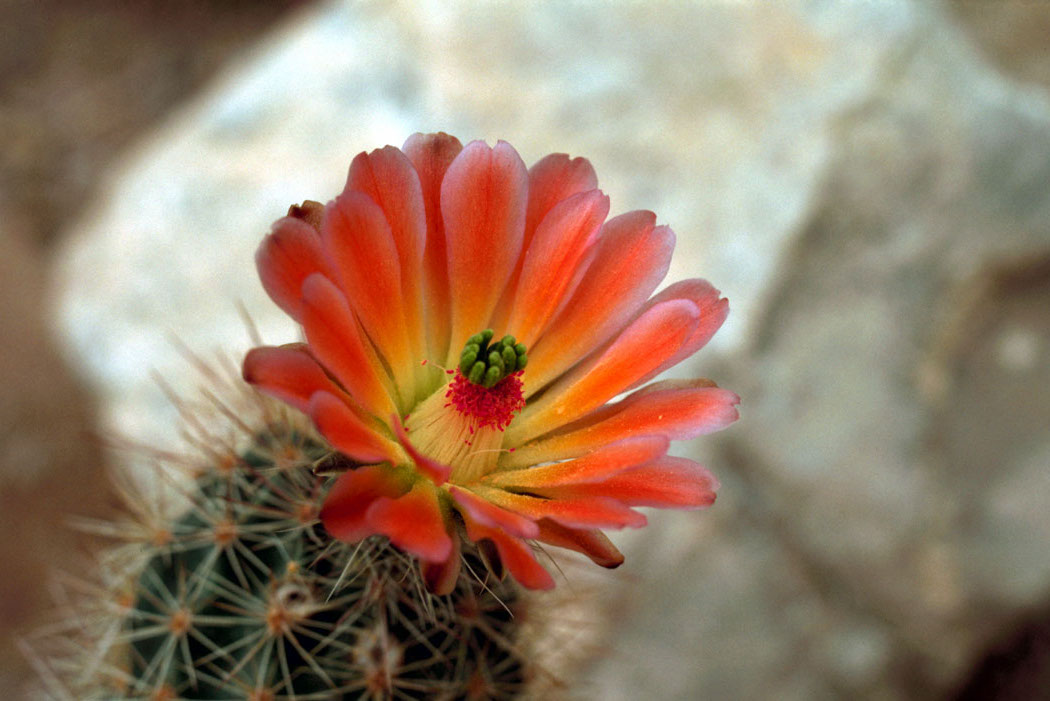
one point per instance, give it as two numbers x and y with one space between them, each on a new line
468 324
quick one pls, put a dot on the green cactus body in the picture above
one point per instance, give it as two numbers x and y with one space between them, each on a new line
252 599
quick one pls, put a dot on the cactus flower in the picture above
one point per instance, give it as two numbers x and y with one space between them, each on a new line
470 325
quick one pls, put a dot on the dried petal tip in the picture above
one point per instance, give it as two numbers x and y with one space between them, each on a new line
309 211
485 364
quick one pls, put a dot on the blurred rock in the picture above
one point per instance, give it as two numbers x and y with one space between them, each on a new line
50 457
869 194
80 80
893 428
1011 34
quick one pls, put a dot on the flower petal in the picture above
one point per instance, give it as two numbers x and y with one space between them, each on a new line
441 577
387 176
431 154
631 258
348 433
288 373
596 466
552 179
286 257
678 409
592 543
413 522
644 346
437 472
584 512
514 554
668 483
490 515
713 312
359 242
337 343
483 198
551 261
343 513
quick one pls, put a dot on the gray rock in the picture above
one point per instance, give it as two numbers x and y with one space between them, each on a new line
869 194
891 452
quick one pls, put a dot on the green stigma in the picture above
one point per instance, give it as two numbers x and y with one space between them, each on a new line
485 363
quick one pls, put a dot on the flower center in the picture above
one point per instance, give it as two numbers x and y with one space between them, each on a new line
463 425
485 407
485 363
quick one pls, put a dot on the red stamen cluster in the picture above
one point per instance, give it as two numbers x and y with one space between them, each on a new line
487 406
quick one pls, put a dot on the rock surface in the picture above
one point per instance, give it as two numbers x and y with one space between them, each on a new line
50 457
869 193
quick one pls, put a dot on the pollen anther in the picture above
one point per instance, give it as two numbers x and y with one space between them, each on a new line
486 365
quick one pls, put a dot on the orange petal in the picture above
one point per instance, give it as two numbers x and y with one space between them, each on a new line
493 516
288 373
514 554
643 347
437 472
343 513
360 244
337 343
584 512
669 483
603 462
592 543
431 154
286 257
713 312
678 409
552 179
441 577
348 433
387 176
413 522
631 258
483 199
551 261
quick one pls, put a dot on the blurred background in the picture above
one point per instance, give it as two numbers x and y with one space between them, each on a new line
866 182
